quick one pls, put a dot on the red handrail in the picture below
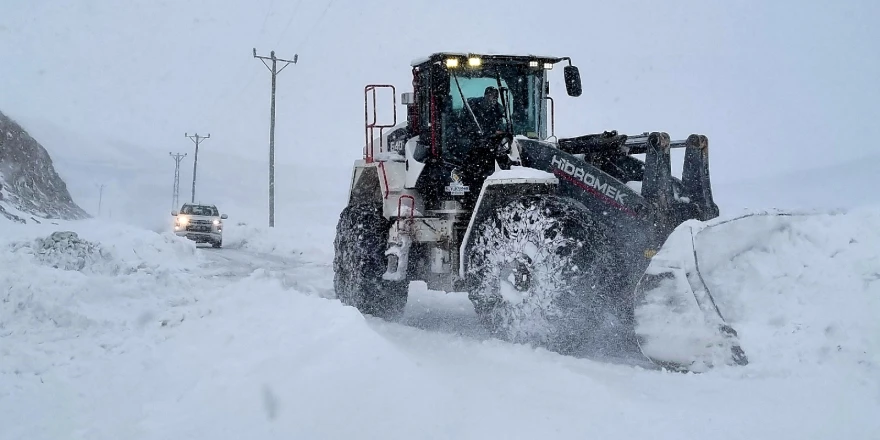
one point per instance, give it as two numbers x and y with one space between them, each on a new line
369 127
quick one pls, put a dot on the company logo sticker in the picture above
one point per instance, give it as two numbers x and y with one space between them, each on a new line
455 187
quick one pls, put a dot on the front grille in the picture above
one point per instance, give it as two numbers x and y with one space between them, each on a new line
199 226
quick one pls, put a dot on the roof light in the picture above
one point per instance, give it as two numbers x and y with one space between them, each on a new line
452 62
533 64
548 66
474 61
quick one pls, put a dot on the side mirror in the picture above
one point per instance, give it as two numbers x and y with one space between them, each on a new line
224 216
572 80
174 213
407 98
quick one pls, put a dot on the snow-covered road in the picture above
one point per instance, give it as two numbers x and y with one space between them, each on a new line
157 339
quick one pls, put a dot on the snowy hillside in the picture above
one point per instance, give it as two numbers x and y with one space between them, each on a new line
146 337
30 189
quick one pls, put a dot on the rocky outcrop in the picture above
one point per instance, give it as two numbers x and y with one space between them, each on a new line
30 188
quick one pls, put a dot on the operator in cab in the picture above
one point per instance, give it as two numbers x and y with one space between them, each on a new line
488 112
480 159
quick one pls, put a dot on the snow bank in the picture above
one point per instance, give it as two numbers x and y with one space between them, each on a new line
85 279
801 290
128 248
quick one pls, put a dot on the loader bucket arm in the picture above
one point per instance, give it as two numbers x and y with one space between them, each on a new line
695 181
695 176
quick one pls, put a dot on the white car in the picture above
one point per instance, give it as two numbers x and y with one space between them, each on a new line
200 223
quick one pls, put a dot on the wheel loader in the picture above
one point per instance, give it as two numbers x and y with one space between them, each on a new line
551 238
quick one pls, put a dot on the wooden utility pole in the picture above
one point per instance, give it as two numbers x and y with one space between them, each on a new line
196 139
275 71
100 197
175 196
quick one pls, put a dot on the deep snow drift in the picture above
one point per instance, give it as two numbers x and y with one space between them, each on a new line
797 287
153 338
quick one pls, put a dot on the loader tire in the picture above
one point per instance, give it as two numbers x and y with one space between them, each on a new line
359 262
539 272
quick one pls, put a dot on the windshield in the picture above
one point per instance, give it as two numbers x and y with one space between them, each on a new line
200 210
476 104
521 83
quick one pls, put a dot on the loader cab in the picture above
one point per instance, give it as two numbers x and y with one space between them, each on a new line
447 102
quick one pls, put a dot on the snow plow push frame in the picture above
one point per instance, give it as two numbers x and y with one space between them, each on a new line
550 237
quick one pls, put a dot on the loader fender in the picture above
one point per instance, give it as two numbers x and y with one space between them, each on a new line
498 191
365 186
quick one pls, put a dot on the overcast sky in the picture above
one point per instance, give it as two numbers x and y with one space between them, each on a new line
774 85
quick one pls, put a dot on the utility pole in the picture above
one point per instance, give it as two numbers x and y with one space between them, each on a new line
196 139
175 197
275 71
100 197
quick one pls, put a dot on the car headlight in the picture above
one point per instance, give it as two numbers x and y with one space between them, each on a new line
182 221
216 222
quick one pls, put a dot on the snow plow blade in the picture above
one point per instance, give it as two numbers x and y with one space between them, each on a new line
677 323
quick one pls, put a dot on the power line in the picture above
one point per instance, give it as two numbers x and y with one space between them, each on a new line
266 18
197 140
315 25
274 71
289 21
226 94
175 197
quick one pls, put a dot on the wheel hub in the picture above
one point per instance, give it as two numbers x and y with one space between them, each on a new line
517 278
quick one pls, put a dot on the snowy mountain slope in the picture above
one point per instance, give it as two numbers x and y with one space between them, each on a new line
234 344
29 184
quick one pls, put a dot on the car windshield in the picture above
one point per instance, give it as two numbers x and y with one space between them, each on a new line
199 210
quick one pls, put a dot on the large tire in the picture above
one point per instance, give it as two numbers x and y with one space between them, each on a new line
359 262
540 272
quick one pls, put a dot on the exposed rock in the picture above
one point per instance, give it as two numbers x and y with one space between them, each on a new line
29 183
